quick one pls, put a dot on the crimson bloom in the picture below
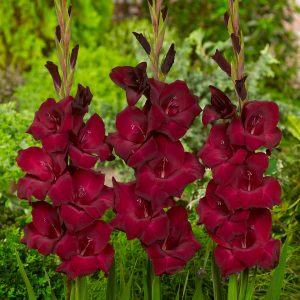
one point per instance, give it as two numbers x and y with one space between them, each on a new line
131 141
45 230
173 109
52 123
170 255
42 169
220 108
249 188
82 198
168 173
257 126
88 145
133 80
253 248
137 217
86 252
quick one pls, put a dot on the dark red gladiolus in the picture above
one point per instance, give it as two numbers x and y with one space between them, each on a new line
45 230
51 124
253 248
147 139
173 109
137 216
70 227
257 126
133 80
220 108
131 141
168 173
88 145
42 170
172 253
82 198
89 248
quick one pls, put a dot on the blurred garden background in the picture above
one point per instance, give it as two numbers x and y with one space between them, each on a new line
103 28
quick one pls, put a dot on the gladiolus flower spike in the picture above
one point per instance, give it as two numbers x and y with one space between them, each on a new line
147 139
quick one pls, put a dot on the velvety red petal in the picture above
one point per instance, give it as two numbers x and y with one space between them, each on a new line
81 159
56 142
61 192
92 134
272 139
105 258
227 262
270 256
67 247
209 115
167 265
236 132
75 219
35 161
29 186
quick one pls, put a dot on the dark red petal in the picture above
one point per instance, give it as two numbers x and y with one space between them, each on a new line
81 159
29 186
66 106
156 230
56 142
236 132
35 161
145 153
105 258
87 185
119 74
227 262
61 192
45 218
249 257
272 139
270 256
75 219
92 135
67 247
104 151
132 96
131 124
78 266
209 114
167 265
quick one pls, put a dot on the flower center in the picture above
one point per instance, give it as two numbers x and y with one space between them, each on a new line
172 108
161 168
54 120
255 124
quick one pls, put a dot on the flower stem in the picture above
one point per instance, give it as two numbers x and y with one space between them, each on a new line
217 286
159 29
233 288
62 40
244 277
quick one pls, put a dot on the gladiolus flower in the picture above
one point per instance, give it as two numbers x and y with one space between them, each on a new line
173 109
133 80
220 108
137 217
257 127
89 145
90 248
179 246
168 173
42 169
45 230
82 196
131 141
52 123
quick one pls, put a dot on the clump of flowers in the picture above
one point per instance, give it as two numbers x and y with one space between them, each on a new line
236 207
147 139
68 197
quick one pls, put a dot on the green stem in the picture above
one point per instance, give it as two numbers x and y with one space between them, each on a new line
233 288
217 286
244 277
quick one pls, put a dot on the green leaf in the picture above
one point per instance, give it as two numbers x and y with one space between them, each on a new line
218 291
81 288
274 290
244 277
178 293
111 284
198 295
233 288
126 291
293 126
185 284
31 294
156 295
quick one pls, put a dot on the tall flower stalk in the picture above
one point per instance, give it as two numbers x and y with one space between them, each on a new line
67 195
147 139
236 207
